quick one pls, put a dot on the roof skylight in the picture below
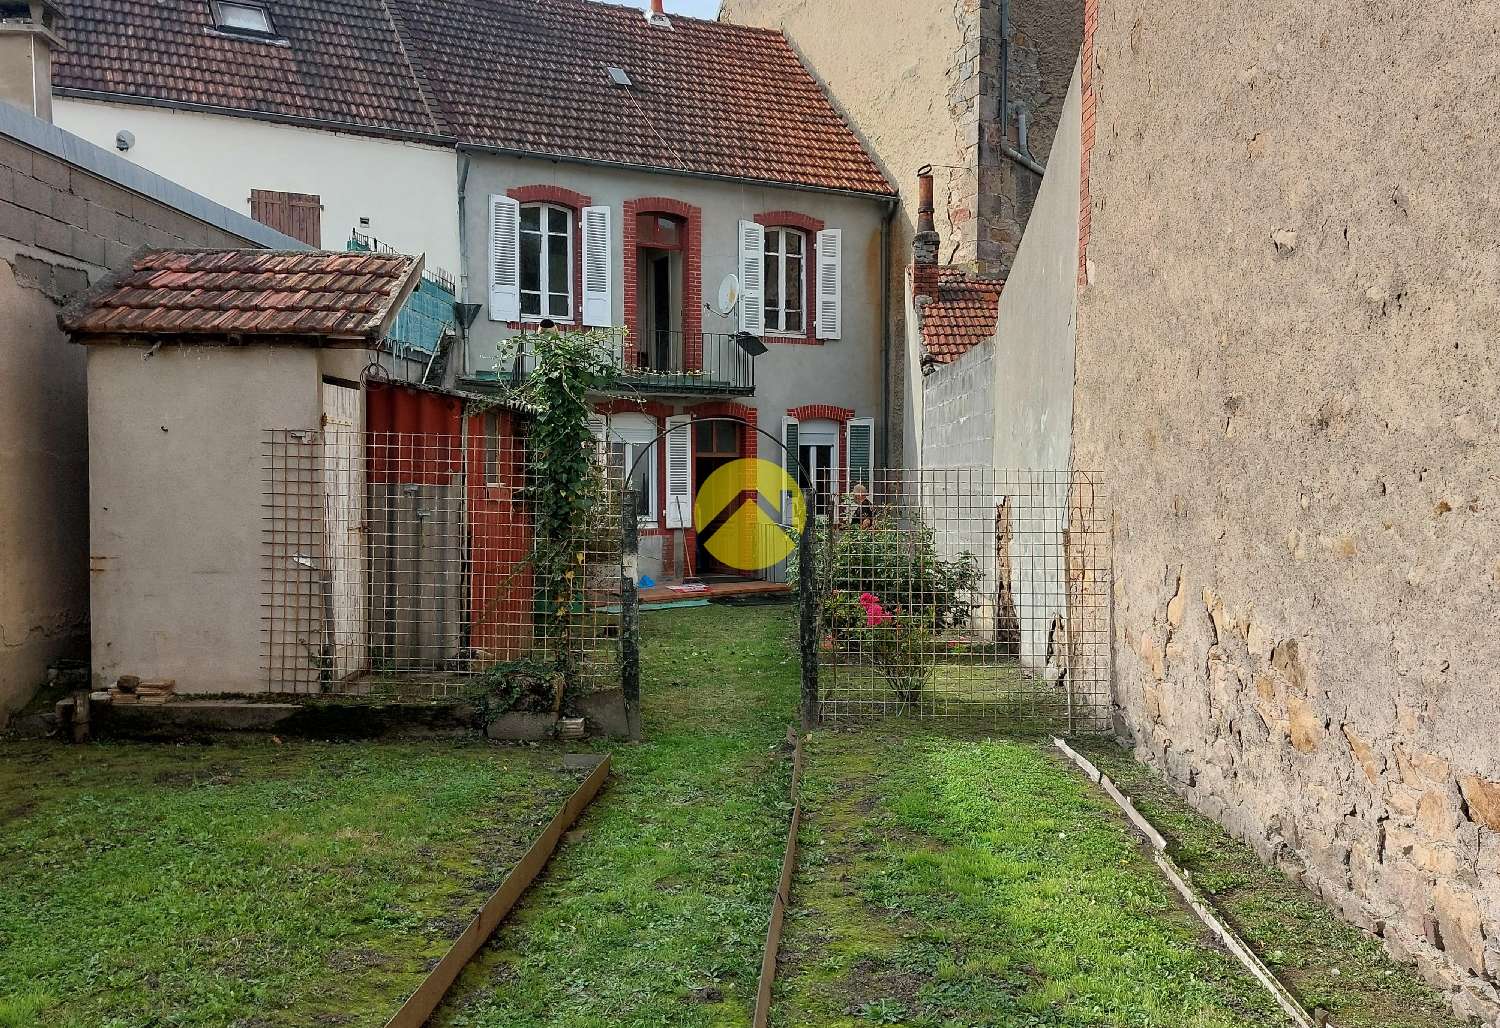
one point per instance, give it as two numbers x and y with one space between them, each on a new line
243 18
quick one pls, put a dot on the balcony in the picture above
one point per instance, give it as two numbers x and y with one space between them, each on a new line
673 364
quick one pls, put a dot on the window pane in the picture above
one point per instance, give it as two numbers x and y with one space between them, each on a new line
557 306
794 242
619 462
704 432
531 219
531 262
794 321
246 17
794 283
531 304
558 278
643 477
727 437
557 220
773 289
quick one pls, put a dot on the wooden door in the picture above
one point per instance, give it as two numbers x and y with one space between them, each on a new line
345 575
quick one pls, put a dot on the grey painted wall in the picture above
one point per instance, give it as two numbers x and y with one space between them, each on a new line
844 372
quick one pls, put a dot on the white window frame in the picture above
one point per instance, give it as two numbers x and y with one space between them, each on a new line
544 254
637 434
221 20
775 263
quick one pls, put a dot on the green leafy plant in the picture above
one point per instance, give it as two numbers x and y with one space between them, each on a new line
524 684
567 482
888 595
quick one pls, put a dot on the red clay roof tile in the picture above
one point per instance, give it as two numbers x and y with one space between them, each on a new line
526 75
249 292
962 316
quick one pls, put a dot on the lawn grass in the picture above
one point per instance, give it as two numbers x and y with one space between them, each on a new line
966 882
248 884
1326 962
654 911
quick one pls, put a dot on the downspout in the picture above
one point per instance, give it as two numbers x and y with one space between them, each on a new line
1021 156
886 340
463 264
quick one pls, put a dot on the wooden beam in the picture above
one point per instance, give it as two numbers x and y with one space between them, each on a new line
782 898
420 1007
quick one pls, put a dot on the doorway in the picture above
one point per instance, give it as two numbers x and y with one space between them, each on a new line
817 454
659 241
715 444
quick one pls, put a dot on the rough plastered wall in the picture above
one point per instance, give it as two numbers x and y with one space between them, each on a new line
1287 366
886 64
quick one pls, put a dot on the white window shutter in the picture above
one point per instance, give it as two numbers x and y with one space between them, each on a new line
597 265
679 471
830 324
505 259
789 429
860 460
752 278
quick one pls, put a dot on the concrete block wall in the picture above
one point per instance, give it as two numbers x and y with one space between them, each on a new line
69 213
959 414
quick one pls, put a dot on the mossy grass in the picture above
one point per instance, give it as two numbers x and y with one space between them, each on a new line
248 883
1327 962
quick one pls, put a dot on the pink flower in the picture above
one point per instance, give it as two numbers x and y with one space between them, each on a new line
875 614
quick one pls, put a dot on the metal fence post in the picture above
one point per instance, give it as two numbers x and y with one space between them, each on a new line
807 595
630 614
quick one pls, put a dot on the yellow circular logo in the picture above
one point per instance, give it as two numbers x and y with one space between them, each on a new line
749 514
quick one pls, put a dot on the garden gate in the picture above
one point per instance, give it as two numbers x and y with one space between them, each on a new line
973 594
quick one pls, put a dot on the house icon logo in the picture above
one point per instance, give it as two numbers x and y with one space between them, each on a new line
749 514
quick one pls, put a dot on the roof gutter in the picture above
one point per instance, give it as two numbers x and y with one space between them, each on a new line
540 155
239 112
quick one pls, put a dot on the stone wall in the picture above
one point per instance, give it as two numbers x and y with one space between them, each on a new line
1286 370
66 218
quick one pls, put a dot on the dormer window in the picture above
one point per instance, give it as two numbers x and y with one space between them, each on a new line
243 19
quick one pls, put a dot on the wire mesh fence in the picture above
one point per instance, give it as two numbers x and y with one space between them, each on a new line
967 593
409 564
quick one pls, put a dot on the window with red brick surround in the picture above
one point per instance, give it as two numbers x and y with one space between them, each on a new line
811 226
840 415
692 275
576 202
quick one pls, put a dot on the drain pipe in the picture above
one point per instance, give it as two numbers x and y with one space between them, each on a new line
463 264
885 328
1022 156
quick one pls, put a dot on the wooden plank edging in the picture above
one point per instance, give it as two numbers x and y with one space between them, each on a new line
779 901
1200 904
415 1012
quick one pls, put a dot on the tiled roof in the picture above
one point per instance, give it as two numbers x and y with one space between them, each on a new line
706 96
246 292
962 316
342 61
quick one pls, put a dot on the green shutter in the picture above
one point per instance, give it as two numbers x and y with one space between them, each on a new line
789 440
861 452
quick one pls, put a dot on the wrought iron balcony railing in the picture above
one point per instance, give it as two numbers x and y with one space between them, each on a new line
673 363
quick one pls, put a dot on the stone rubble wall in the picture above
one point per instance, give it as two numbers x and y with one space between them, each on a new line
1287 367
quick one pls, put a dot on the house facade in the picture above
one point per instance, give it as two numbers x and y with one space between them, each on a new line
685 185
687 188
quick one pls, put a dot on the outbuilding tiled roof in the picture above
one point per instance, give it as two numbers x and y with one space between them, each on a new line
341 60
216 293
705 96
962 316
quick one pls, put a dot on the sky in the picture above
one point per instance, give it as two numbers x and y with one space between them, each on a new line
691 8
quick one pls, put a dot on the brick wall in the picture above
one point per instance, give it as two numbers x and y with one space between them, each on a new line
61 228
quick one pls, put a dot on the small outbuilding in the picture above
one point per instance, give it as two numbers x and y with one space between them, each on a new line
196 358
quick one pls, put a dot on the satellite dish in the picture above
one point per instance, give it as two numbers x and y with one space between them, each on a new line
729 296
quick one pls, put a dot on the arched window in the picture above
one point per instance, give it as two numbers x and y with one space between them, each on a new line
546 262
786 280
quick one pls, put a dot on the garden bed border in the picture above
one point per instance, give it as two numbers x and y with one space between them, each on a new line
783 894
1181 880
419 1008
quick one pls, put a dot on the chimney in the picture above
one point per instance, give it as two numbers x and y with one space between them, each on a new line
924 245
657 15
28 35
